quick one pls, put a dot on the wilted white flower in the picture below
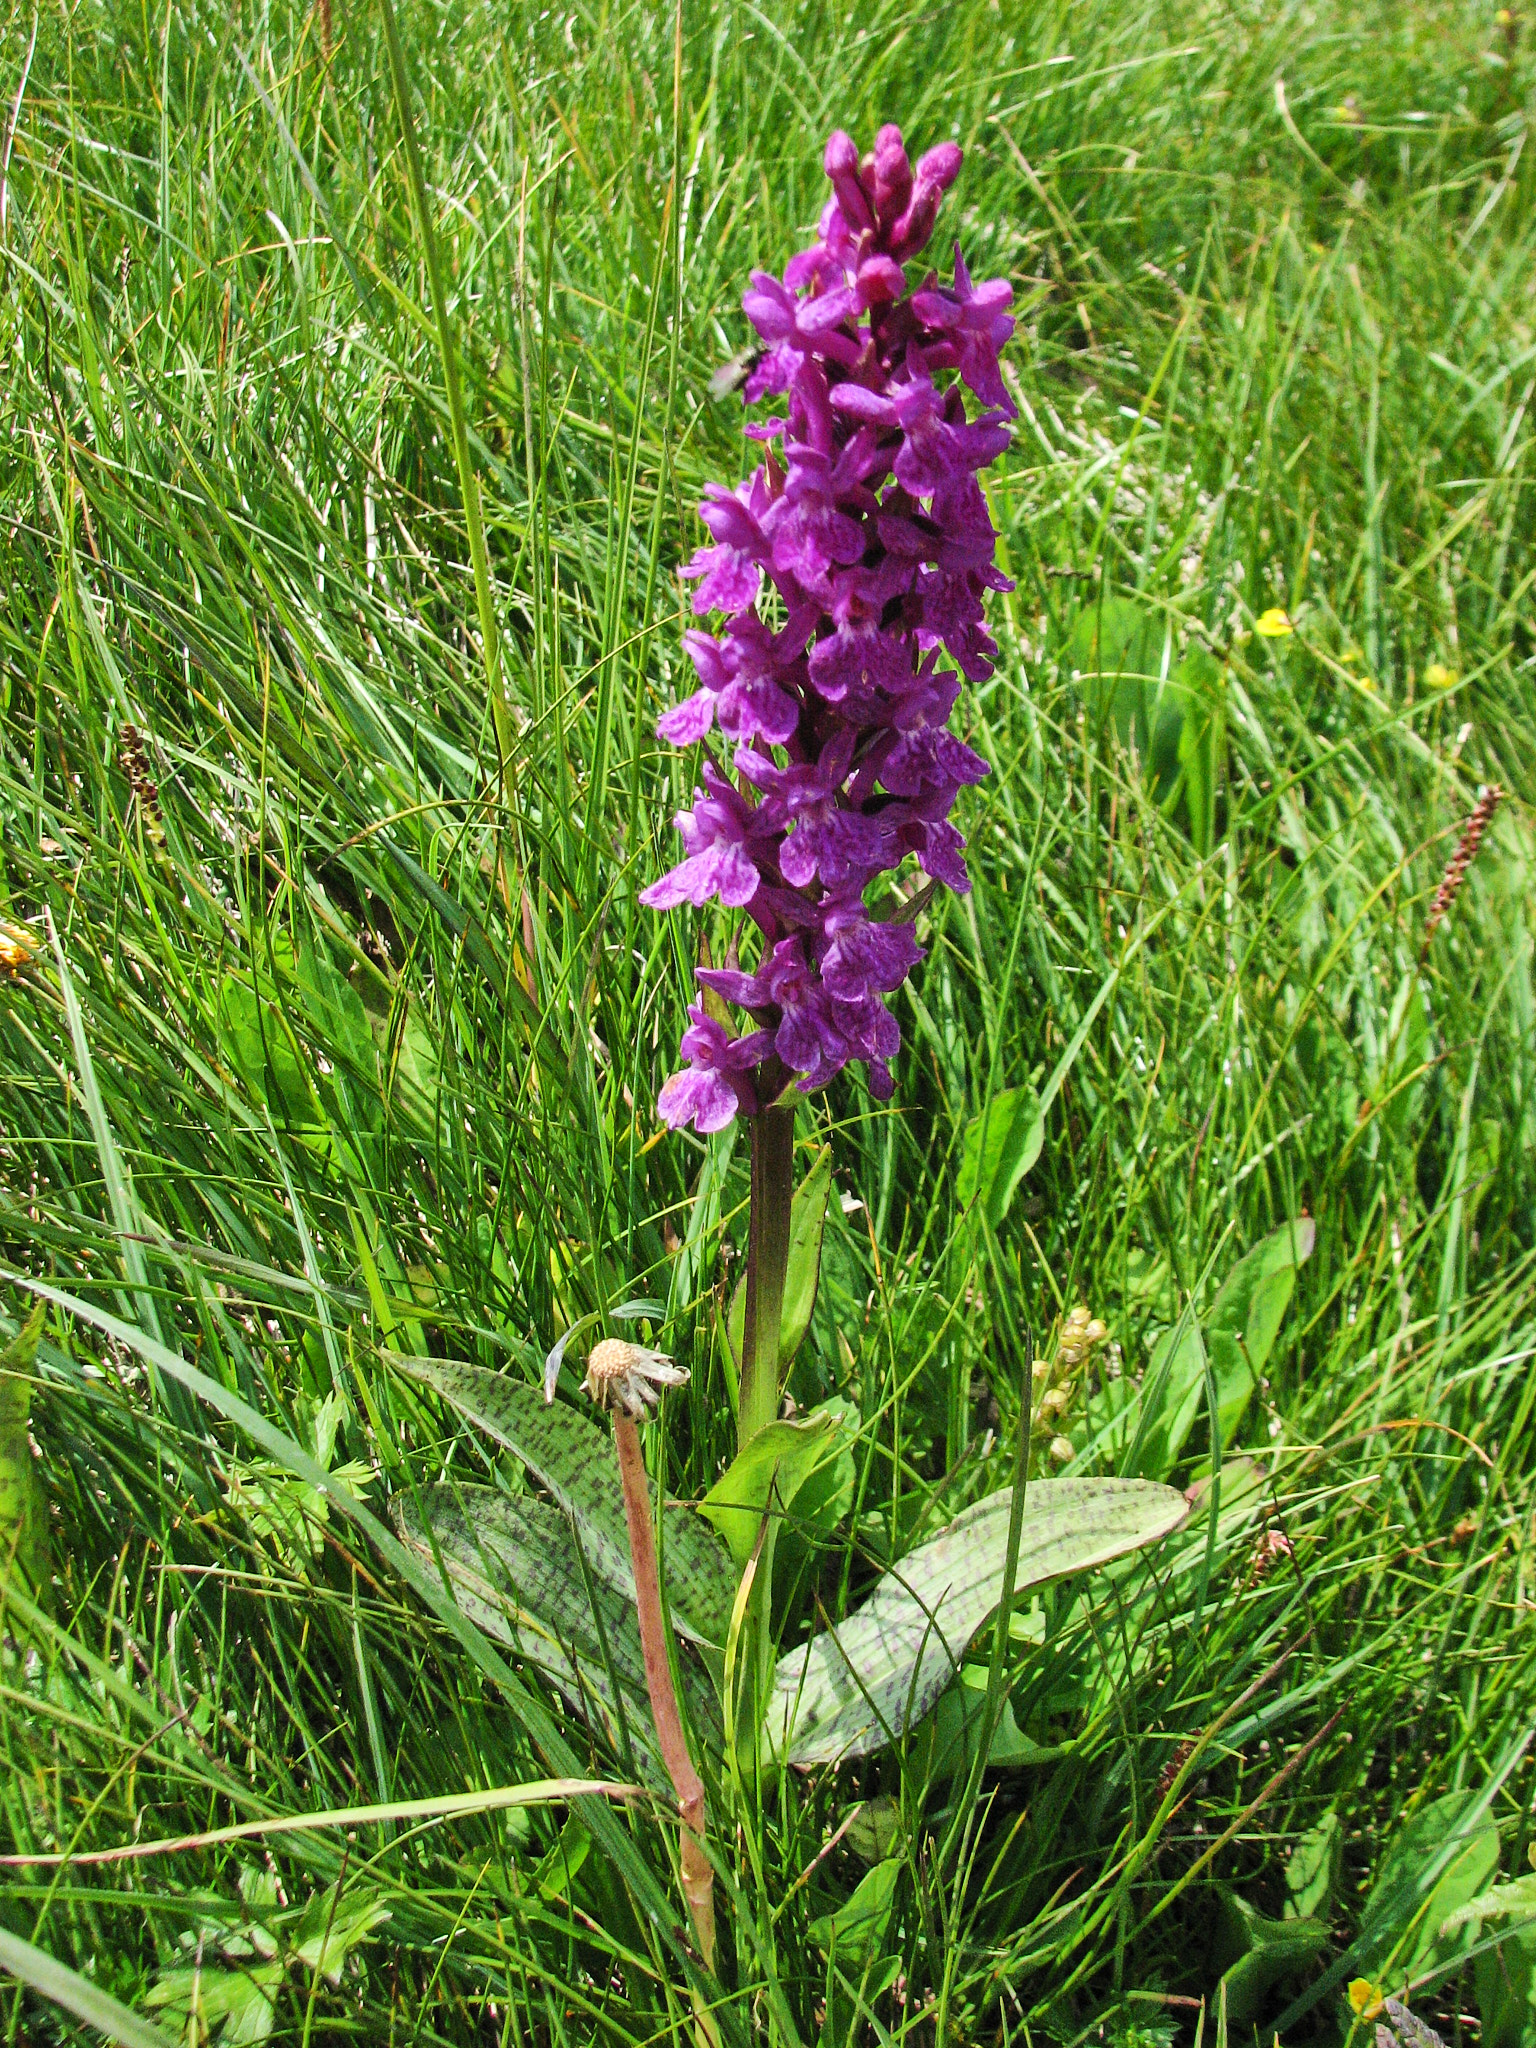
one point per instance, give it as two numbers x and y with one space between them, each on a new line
626 1376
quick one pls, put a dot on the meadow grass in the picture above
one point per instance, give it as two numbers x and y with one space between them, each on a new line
324 816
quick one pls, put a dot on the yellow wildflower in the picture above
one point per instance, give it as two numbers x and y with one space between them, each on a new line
1438 676
1273 624
16 949
1365 1998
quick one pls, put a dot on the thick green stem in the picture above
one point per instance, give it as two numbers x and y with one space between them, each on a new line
773 1188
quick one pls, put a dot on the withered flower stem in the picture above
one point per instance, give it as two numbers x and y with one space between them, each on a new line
622 1378
698 1877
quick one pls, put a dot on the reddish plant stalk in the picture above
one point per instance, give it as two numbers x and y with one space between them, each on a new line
698 1878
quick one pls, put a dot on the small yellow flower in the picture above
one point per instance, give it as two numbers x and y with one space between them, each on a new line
1365 1998
16 949
1438 676
1273 624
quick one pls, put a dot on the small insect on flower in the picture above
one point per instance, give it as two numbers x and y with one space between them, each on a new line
1274 624
626 1376
731 376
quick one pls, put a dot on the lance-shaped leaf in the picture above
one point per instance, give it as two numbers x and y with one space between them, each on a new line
1245 1317
517 1572
573 1460
1001 1145
850 1690
23 1502
770 1469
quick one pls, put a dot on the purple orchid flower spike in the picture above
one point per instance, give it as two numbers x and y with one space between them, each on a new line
867 543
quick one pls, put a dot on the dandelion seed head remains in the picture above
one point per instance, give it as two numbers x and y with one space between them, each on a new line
626 1377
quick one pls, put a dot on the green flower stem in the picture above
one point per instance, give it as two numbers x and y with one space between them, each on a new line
773 1190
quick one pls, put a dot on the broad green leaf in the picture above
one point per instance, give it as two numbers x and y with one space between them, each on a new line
1504 1901
807 1220
23 1501
1312 1868
1173 1388
1245 1317
822 1499
1255 1953
772 1467
945 1746
874 1828
560 1868
259 1045
574 1461
1399 1897
1175 723
1116 647
1201 686
332 1925
516 1571
850 1690
238 2004
856 1931
1001 1145
1504 1977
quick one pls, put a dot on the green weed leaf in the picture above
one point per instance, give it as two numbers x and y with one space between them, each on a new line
1245 1317
771 1468
1000 1146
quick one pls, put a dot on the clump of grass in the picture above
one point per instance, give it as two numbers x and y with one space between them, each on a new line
349 1043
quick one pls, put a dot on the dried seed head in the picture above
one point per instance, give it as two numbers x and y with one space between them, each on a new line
626 1376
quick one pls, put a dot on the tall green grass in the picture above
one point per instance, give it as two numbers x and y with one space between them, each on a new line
348 1043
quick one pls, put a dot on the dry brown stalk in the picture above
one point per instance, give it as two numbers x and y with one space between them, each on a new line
623 1378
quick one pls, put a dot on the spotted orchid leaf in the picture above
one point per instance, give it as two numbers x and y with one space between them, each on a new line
572 1459
851 1690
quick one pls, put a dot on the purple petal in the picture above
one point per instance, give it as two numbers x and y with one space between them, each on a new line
731 580
744 1053
686 723
723 871
867 959
697 1096
754 707
864 404
746 991
860 658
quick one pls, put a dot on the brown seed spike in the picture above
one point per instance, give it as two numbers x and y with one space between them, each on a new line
1471 839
